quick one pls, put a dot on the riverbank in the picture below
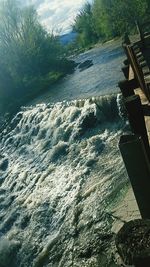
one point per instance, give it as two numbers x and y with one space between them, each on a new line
12 105
29 90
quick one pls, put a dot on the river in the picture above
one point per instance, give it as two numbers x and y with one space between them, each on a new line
100 79
61 173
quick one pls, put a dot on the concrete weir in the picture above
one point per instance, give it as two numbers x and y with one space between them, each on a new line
135 151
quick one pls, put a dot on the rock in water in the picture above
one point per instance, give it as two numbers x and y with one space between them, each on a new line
133 243
85 65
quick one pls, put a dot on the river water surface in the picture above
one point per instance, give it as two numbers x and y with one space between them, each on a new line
61 173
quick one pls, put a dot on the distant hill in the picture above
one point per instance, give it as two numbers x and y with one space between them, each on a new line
68 38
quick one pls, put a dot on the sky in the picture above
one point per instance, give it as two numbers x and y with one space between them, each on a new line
57 15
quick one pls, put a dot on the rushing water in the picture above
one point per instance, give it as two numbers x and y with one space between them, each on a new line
61 172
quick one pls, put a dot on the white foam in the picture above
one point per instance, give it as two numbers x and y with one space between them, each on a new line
56 162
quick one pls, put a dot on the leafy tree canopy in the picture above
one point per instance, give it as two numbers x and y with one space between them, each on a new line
31 58
105 19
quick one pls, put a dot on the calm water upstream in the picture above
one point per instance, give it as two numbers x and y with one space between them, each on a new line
99 79
61 173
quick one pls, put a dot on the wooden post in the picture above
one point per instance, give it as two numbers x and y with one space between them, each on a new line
126 39
136 119
138 169
127 87
126 62
140 33
125 71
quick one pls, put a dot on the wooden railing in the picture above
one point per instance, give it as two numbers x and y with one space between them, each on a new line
144 32
135 148
140 70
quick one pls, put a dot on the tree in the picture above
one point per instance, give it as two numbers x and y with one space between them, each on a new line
84 25
31 57
110 18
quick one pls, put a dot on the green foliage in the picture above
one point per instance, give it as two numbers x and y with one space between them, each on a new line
31 59
84 25
105 19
